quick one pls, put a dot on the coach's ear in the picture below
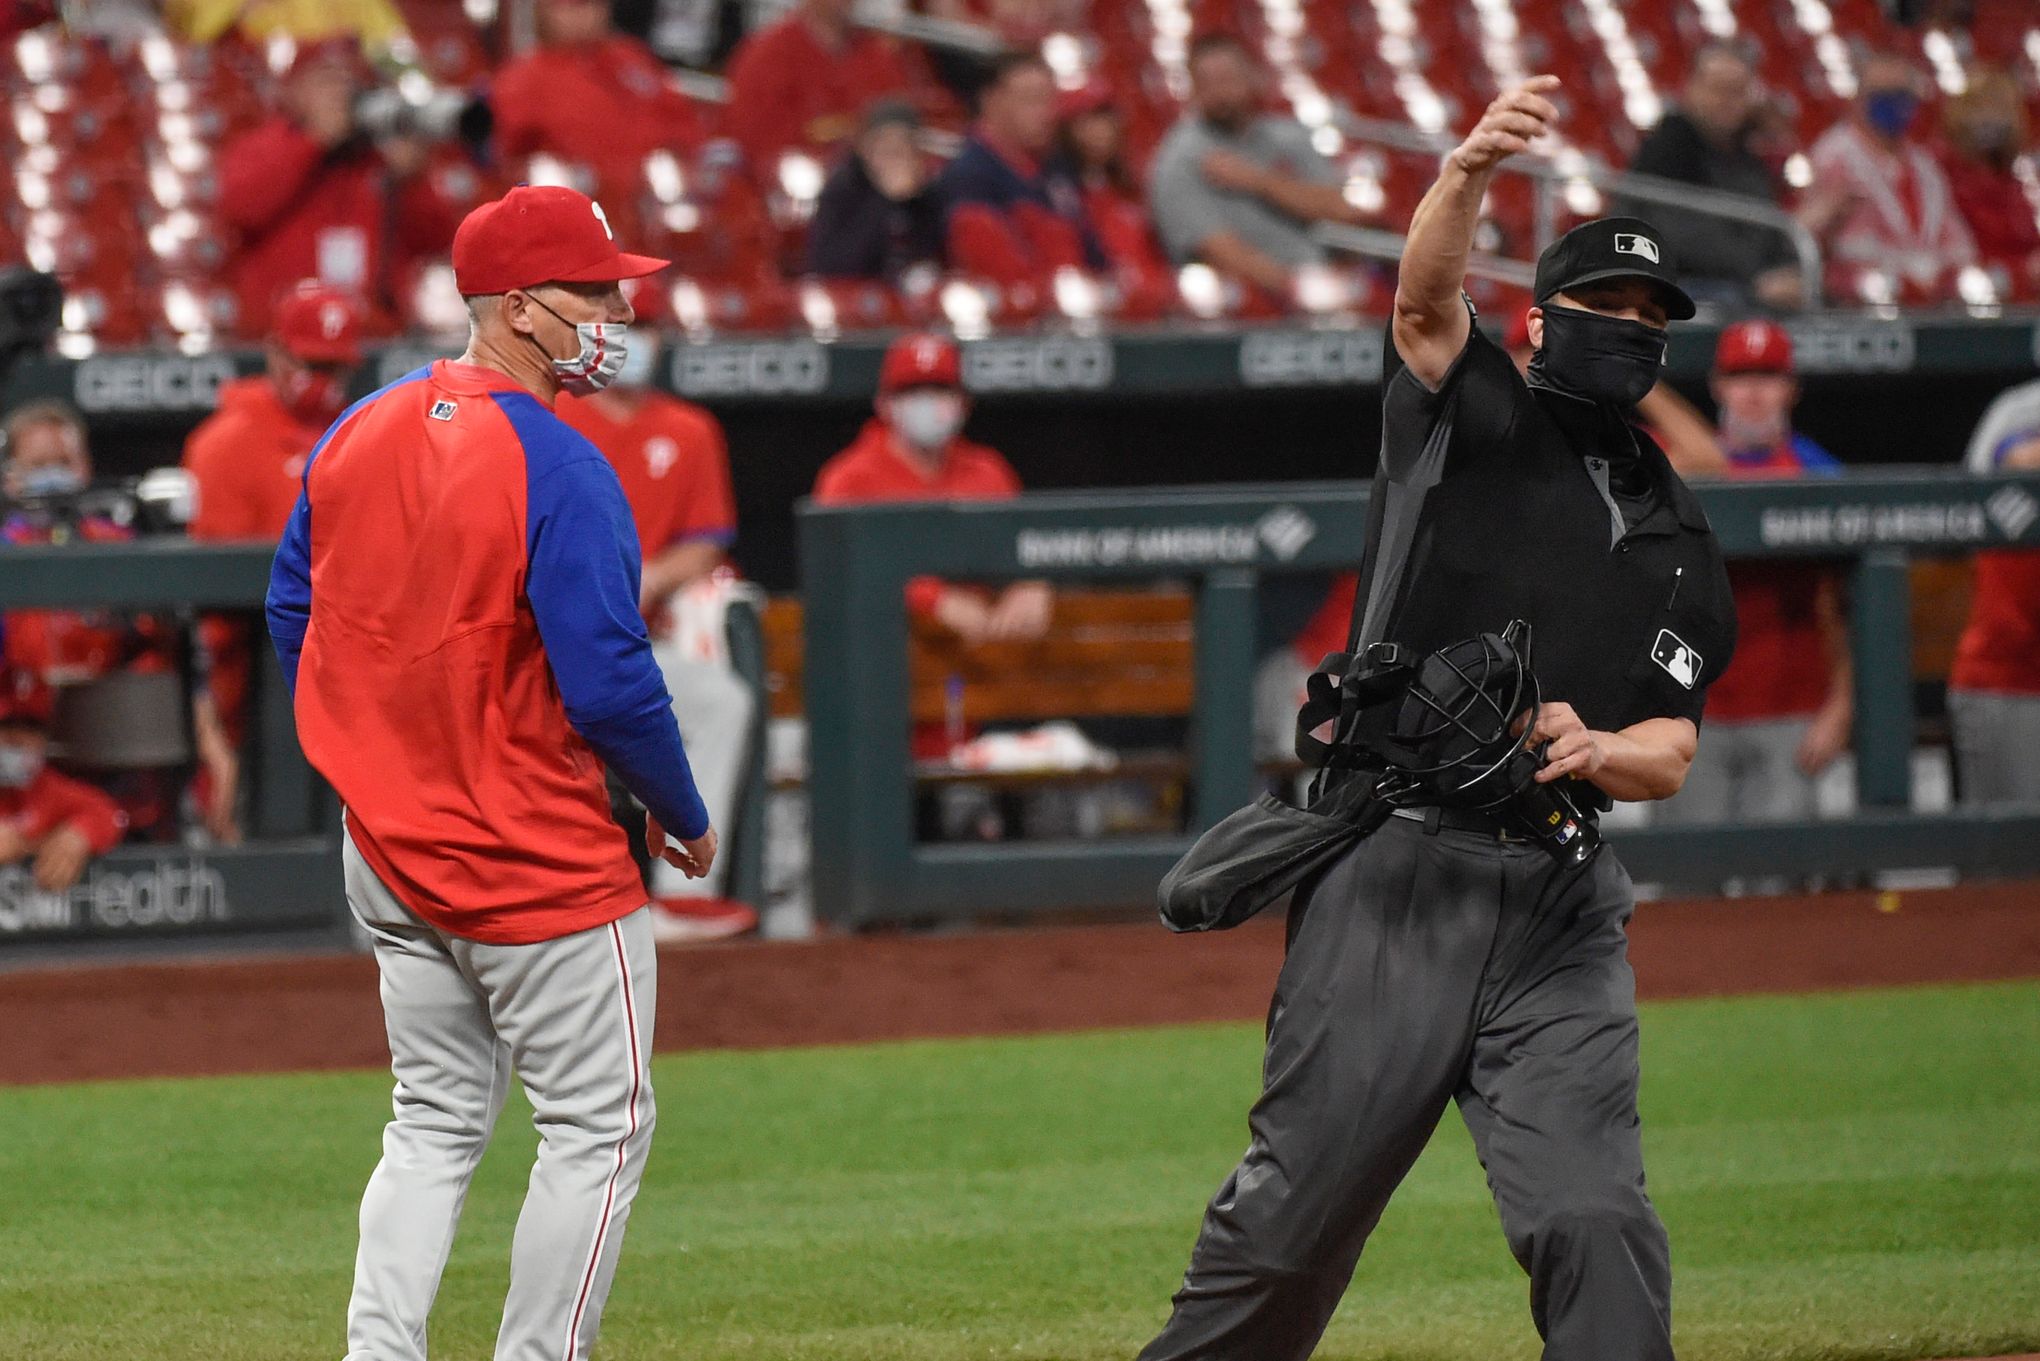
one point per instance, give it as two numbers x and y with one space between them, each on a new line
518 312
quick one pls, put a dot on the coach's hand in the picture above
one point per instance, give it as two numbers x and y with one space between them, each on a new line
1515 119
691 858
1575 748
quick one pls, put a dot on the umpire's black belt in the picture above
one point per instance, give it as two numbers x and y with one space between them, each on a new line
1459 820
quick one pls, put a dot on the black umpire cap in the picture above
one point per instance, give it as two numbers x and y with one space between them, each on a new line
1612 248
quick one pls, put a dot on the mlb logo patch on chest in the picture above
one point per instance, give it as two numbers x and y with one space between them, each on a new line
1681 662
442 410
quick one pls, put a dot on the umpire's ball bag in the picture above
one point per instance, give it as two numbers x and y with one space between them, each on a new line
1265 850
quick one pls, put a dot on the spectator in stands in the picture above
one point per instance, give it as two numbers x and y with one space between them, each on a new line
1986 134
1091 151
310 195
1014 215
675 471
804 83
593 97
1994 686
49 822
1237 187
1879 203
915 451
878 215
1705 142
48 469
1781 713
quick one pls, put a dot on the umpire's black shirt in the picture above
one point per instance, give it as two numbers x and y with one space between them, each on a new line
1506 501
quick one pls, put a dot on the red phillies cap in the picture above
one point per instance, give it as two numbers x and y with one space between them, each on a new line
540 234
1757 346
1093 96
920 360
319 324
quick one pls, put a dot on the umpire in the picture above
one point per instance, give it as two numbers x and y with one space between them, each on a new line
1441 958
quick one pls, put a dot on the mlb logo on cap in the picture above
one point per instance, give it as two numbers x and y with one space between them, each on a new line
1628 243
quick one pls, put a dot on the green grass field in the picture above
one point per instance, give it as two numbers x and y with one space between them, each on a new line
1843 1176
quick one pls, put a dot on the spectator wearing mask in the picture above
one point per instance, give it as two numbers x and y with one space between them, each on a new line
804 83
1091 150
915 451
47 473
1240 188
1879 203
1994 686
1705 142
51 826
1985 129
1014 215
878 216
673 464
309 195
593 97
1781 713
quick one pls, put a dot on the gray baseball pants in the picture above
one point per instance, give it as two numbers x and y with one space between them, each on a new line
1997 740
572 1019
1424 969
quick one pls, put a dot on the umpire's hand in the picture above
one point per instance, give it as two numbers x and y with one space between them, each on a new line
1575 748
1515 119
691 858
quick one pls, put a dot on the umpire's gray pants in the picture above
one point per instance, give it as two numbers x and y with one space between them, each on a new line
572 1019
1424 969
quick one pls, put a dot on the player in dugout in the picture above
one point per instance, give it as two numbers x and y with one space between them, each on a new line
673 463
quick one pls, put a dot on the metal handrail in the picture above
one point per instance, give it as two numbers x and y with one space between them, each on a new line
1627 183
951 34
1382 244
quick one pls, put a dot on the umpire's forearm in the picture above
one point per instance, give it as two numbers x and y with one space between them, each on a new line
1646 760
1434 257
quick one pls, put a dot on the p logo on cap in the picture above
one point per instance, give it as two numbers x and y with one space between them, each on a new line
1629 243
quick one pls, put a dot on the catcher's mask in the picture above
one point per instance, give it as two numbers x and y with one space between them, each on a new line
1460 737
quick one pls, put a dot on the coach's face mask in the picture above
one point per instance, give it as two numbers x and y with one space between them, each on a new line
928 419
605 346
1604 359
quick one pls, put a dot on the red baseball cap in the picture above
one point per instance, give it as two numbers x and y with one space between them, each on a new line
922 359
1093 96
1756 346
319 324
541 234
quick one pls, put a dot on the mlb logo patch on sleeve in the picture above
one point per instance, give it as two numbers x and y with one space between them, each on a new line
1682 663
442 410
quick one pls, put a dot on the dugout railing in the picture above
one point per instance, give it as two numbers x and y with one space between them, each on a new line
868 867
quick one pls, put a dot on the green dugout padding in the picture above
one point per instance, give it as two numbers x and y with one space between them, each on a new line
856 561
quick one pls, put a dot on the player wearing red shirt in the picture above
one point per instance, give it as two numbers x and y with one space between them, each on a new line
248 459
804 82
49 822
309 196
590 95
675 470
1781 712
455 607
1994 687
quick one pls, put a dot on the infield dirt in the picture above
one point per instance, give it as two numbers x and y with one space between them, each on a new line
278 1015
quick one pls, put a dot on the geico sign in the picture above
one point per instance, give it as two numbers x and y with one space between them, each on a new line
1310 358
768 369
151 383
1054 365
115 898
1853 347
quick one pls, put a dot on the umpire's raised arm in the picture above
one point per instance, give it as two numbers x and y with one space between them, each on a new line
1431 322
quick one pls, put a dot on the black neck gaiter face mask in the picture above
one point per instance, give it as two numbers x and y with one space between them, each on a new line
1610 360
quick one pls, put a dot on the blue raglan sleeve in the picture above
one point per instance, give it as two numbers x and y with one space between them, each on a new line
582 582
288 605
